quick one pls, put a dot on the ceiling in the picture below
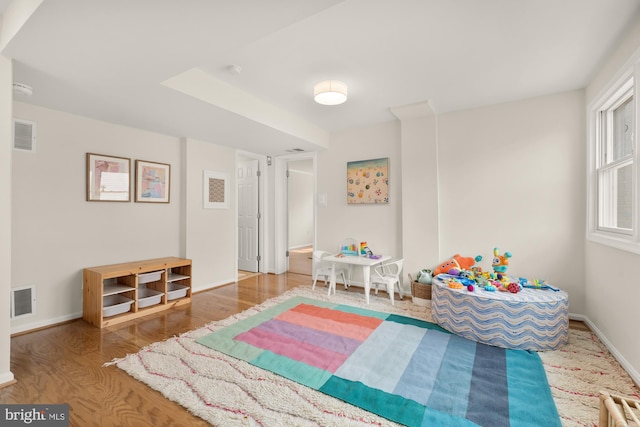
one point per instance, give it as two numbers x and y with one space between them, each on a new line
163 65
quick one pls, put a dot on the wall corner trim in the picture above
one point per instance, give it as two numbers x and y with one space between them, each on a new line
413 111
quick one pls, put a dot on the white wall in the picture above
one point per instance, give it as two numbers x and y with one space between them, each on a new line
420 223
512 176
210 234
611 277
6 100
379 225
57 233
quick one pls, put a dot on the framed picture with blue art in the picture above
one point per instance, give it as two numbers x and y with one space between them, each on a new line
368 181
153 182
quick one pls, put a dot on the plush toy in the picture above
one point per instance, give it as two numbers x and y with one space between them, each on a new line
500 262
424 276
458 262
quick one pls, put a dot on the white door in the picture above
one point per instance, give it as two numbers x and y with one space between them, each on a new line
248 215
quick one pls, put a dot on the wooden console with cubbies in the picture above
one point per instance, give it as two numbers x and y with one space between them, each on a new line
120 292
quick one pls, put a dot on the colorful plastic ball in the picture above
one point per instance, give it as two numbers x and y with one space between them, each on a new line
470 288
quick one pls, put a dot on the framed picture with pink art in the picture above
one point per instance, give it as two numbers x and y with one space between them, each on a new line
108 178
153 182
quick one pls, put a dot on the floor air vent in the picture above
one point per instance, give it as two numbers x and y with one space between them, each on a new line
23 301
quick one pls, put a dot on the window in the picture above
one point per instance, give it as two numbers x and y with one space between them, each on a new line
613 200
614 164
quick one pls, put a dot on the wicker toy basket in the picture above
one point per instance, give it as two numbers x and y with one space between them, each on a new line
420 292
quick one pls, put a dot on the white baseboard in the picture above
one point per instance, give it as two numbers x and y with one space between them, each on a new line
212 285
6 378
44 323
612 349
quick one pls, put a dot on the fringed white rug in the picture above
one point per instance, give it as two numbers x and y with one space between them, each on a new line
225 391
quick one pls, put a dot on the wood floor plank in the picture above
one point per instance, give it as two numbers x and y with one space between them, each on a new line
64 364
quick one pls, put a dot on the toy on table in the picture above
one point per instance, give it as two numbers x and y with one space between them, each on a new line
457 278
456 262
467 274
500 262
462 271
368 252
453 284
513 287
364 248
537 284
349 248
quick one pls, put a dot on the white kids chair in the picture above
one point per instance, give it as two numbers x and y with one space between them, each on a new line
388 274
322 268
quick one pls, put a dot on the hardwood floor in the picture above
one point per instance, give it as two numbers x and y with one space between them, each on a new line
63 364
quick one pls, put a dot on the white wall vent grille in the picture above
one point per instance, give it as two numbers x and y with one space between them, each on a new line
23 301
24 135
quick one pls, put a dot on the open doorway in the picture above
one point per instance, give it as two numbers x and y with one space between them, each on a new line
300 215
282 223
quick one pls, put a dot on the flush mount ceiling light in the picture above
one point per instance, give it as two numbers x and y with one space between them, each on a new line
330 92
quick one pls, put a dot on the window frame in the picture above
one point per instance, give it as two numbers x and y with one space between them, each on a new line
626 83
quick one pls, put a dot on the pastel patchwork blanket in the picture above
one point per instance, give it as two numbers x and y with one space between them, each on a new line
407 370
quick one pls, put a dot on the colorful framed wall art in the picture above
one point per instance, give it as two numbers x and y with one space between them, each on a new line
108 178
153 182
368 181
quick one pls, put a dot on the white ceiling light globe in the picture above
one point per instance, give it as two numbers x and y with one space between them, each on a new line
330 92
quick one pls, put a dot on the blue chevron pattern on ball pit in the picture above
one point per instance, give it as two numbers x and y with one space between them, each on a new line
532 319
